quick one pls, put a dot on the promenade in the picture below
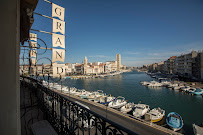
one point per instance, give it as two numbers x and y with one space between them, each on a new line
136 125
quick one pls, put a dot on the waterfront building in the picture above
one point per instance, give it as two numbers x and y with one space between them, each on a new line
184 64
78 69
68 68
118 59
92 68
169 65
24 69
96 63
153 67
160 66
73 67
110 66
197 70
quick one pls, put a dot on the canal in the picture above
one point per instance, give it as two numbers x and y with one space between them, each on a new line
128 85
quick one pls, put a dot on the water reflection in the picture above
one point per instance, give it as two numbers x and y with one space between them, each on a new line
154 88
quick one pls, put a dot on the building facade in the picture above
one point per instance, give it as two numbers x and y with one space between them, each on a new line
184 64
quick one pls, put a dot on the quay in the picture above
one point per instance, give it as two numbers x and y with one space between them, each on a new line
96 76
136 125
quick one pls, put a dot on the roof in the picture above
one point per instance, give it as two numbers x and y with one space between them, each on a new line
173 57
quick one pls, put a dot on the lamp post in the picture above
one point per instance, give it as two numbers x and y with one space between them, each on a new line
106 105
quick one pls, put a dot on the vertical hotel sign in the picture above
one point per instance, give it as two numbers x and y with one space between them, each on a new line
32 53
33 50
58 36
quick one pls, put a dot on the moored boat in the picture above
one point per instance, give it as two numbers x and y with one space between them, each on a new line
108 99
85 95
95 95
197 91
156 114
174 120
197 129
118 102
140 110
127 108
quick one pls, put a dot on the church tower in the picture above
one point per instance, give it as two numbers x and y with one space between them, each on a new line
85 65
85 61
118 59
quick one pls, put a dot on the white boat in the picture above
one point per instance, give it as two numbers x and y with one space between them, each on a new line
97 99
154 84
145 83
173 85
191 90
85 95
198 130
62 88
140 110
166 83
79 92
56 86
108 99
118 102
70 90
127 108
95 94
186 88
156 114
176 87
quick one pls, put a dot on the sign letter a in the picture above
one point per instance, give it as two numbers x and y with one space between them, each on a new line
58 40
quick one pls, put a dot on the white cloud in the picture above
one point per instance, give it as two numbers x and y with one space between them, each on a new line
98 56
132 53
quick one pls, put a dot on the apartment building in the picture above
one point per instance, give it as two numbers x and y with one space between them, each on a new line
169 65
183 64
110 66
197 70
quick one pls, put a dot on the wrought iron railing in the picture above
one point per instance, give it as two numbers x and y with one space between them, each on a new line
68 117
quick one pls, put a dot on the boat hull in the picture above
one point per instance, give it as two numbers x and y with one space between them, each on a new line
157 120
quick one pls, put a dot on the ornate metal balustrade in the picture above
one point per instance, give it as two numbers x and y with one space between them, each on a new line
68 117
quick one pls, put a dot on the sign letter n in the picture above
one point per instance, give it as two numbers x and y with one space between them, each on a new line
58 54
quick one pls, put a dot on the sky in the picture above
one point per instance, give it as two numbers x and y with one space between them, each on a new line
142 31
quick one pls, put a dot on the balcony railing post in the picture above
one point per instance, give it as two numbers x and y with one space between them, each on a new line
103 127
61 115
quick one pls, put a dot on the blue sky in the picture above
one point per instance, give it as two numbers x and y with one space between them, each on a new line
142 31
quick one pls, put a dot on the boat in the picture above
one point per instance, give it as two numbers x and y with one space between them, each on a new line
97 99
198 130
145 83
85 95
70 90
191 90
108 99
154 84
118 102
186 88
197 91
174 120
172 85
79 92
165 83
140 110
127 108
156 114
95 94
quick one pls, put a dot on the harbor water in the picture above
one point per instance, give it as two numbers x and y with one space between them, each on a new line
128 85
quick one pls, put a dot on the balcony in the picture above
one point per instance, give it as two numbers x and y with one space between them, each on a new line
64 115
